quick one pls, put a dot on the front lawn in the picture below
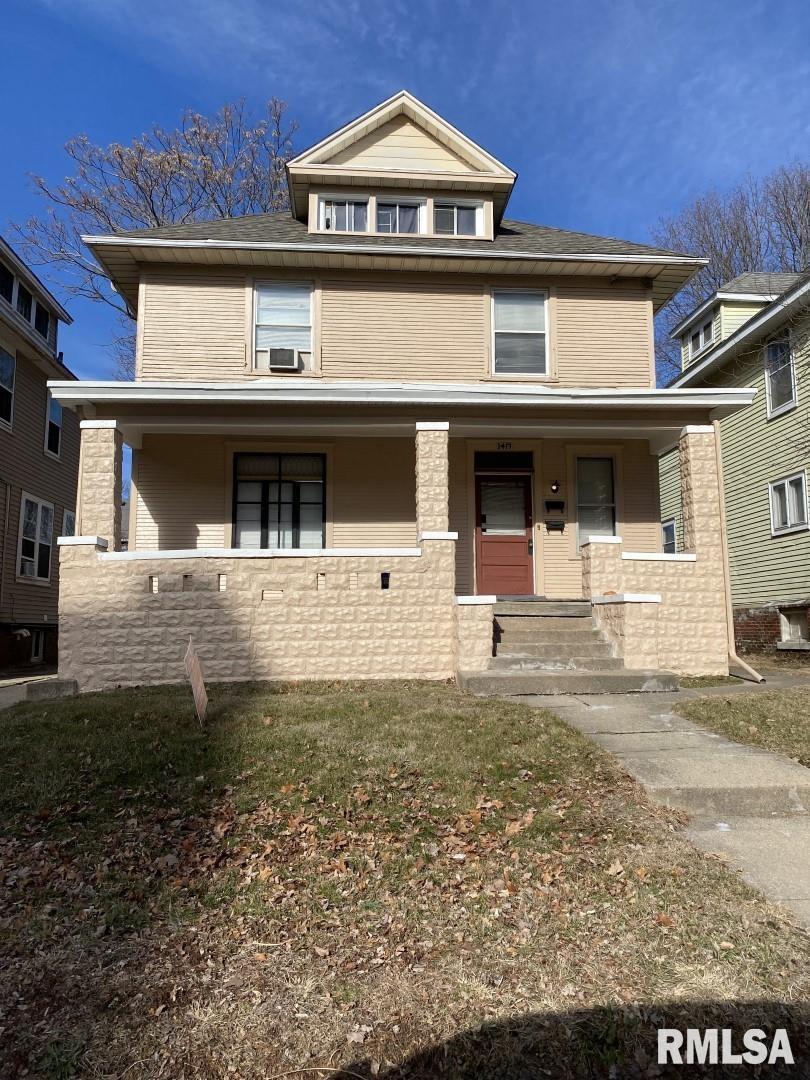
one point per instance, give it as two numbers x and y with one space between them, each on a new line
777 720
338 876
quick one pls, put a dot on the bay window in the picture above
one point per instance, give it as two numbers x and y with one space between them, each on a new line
279 501
519 332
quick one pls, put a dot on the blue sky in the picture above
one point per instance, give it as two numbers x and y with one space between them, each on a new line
614 112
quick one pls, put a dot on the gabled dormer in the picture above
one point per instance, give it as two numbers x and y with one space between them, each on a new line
726 310
399 169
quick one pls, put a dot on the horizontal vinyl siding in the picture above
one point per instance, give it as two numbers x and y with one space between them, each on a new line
24 466
756 451
180 482
388 331
732 316
641 524
400 144
604 337
374 493
669 480
193 326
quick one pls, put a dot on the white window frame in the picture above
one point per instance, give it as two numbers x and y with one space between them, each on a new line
704 341
8 425
281 281
545 374
669 523
48 401
65 514
344 198
787 406
456 203
785 480
34 579
35 310
595 456
421 217
21 285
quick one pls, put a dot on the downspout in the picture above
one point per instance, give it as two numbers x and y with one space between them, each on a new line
747 672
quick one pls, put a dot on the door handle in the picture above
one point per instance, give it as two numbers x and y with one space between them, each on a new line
531 547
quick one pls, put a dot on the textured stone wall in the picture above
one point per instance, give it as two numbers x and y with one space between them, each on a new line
432 479
475 636
290 618
687 631
99 495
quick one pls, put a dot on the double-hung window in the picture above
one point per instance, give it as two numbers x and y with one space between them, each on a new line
596 498
42 321
53 427
279 500
701 337
25 301
283 325
456 219
780 380
344 215
519 332
668 541
8 367
788 504
399 217
36 537
6 283
69 523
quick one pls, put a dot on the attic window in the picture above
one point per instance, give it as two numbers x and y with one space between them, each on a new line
457 219
343 215
400 217
701 337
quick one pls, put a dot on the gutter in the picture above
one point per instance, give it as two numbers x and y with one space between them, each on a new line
733 659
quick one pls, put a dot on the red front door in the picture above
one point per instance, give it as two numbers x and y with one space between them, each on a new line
503 536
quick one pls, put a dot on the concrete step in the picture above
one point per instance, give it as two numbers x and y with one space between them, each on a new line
565 639
553 664
515 683
544 609
581 645
547 622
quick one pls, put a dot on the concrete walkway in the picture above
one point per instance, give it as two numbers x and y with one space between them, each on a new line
748 805
34 688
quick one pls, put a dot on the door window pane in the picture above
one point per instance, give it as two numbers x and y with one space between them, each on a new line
503 507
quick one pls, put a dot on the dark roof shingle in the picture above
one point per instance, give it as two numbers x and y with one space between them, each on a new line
760 282
512 236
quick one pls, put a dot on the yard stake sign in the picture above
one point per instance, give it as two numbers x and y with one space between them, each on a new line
195 677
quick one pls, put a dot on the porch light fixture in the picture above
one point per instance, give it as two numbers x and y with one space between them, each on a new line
555 486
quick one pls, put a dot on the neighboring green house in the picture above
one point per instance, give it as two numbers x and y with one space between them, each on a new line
755 332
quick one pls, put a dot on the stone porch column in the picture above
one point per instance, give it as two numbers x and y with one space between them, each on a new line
700 492
99 494
432 477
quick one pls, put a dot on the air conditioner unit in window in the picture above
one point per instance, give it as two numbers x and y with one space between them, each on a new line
286 359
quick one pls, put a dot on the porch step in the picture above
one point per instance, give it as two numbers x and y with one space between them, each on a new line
521 684
544 608
523 624
580 645
556 663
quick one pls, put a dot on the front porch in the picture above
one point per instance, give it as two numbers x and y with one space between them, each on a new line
371 543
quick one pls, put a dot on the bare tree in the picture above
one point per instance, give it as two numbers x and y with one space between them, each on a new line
209 167
761 226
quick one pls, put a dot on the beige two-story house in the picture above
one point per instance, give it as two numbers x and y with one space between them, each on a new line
39 458
358 425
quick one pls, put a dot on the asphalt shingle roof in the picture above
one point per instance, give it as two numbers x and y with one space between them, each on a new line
759 282
512 237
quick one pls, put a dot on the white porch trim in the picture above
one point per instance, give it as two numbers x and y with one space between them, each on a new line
474 601
628 598
264 553
658 556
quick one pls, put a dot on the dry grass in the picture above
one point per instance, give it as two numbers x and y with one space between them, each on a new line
347 876
777 720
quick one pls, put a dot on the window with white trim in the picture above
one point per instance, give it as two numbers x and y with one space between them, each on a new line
53 427
668 542
283 332
596 498
343 215
42 321
68 523
8 368
6 283
457 219
701 337
780 377
788 504
35 540
400 216
518 332
25 301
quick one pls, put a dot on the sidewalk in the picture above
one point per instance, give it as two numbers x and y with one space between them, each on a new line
748 805
33 688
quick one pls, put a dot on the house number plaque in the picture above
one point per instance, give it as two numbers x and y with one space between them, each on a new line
503 446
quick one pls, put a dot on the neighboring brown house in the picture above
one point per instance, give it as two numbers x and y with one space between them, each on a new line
356 424
39 459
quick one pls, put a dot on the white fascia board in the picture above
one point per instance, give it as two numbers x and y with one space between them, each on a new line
726 297
264 553
377 249
372 392
759 324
